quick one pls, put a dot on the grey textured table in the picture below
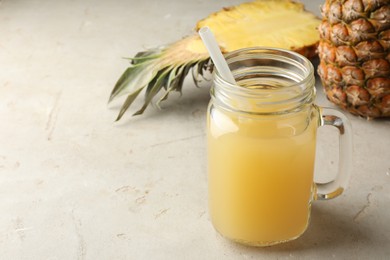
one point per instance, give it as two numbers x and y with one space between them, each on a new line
74 185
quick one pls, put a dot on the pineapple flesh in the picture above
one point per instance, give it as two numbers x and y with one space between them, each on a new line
272 23
354 53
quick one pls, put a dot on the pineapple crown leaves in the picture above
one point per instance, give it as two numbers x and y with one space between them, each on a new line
142 71
152 71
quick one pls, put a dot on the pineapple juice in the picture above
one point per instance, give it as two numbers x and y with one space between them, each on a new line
261 147
261 172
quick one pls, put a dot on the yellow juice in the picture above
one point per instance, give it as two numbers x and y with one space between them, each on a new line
261 174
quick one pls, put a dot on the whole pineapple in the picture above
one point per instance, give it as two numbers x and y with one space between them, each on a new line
354 55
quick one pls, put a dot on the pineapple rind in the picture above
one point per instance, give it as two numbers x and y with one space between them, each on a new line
354 53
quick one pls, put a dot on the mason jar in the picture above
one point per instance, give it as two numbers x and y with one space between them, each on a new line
261 147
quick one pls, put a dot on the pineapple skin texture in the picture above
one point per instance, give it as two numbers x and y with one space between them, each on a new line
354 52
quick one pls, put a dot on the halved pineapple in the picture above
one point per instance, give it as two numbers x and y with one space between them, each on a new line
273 23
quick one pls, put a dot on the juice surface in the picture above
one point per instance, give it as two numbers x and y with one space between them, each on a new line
261 174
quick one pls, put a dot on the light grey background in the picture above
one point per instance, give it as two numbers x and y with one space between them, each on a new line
74 185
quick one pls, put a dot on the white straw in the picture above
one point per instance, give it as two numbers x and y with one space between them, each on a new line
216 55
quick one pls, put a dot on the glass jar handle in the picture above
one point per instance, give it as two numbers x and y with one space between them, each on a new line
335 187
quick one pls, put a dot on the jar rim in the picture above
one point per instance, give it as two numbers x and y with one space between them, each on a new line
309 73
272 63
